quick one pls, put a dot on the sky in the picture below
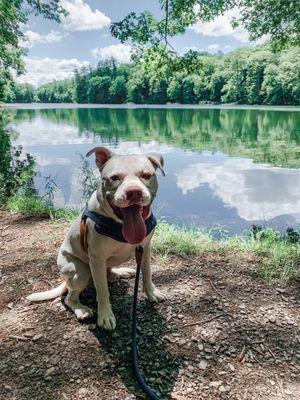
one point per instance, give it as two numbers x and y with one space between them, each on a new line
83 38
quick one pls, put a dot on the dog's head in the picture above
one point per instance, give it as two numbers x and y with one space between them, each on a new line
129 185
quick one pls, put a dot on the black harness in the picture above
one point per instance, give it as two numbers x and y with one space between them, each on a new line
109 227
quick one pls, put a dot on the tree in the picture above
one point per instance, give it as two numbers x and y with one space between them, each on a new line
98 91
118 90
14 14
278 18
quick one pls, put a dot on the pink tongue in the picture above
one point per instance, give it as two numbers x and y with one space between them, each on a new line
134 228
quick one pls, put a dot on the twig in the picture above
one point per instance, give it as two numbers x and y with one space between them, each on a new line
18 337
215 289
271 352
242 354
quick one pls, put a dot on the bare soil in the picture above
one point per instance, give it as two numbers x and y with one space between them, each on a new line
223 333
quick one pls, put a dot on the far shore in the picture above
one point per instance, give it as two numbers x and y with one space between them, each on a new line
32 106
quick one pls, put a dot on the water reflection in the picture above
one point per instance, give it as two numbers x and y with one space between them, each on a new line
257 192
204 186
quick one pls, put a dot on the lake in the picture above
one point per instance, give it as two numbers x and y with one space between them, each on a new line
228 167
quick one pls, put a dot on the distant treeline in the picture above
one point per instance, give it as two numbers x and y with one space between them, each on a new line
254 75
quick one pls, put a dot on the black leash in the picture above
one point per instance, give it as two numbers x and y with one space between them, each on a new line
143 385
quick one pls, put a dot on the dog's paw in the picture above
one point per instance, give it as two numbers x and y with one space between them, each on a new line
154 295
114 274
83 313
106 319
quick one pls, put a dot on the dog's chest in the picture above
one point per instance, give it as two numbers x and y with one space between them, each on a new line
123 254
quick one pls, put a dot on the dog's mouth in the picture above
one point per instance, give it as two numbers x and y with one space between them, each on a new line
134 228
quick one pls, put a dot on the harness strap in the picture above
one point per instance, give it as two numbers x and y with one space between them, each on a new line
83 233
107 226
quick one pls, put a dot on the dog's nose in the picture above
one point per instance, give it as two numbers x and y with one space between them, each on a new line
134 194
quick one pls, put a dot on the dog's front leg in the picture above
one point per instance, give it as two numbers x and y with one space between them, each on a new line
106 318
153 294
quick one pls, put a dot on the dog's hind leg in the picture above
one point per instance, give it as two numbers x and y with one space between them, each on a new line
76 274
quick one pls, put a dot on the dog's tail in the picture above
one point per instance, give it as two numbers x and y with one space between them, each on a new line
49 294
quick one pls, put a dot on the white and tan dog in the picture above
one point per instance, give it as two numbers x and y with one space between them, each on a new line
125 194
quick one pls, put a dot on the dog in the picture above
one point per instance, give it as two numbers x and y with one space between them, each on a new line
124 197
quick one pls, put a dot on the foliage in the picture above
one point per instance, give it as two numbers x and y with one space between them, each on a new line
246 76
17 170
13 15
280 19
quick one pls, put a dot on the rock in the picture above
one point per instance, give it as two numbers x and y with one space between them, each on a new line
37 337
83 391
231 367
203 364
280 290
272 319
223 389
215 384
200 347
211 341
50 371
242 306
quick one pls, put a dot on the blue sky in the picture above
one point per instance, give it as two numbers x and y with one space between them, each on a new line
83 38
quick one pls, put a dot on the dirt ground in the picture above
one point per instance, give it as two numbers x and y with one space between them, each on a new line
222 334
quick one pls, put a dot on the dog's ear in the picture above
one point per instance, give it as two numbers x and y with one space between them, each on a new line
157 161
102 155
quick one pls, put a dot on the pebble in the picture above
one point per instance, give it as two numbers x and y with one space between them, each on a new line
223 389
37 337
215 384
200 347
50 371
231 367
272 319
83 391
203 364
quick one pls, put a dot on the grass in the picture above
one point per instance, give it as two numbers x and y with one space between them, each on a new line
278 256
35 206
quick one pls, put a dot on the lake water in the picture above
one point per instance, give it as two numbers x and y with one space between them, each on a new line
226 167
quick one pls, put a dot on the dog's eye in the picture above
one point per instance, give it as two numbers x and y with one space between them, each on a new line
147 175
115 178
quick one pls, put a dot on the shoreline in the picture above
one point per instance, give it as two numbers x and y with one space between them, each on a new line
277 256
175 106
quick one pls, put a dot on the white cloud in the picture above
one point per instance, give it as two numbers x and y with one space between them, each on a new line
221 26
256 191
213 47
43 132
43 70
120 52
82 18
32 38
